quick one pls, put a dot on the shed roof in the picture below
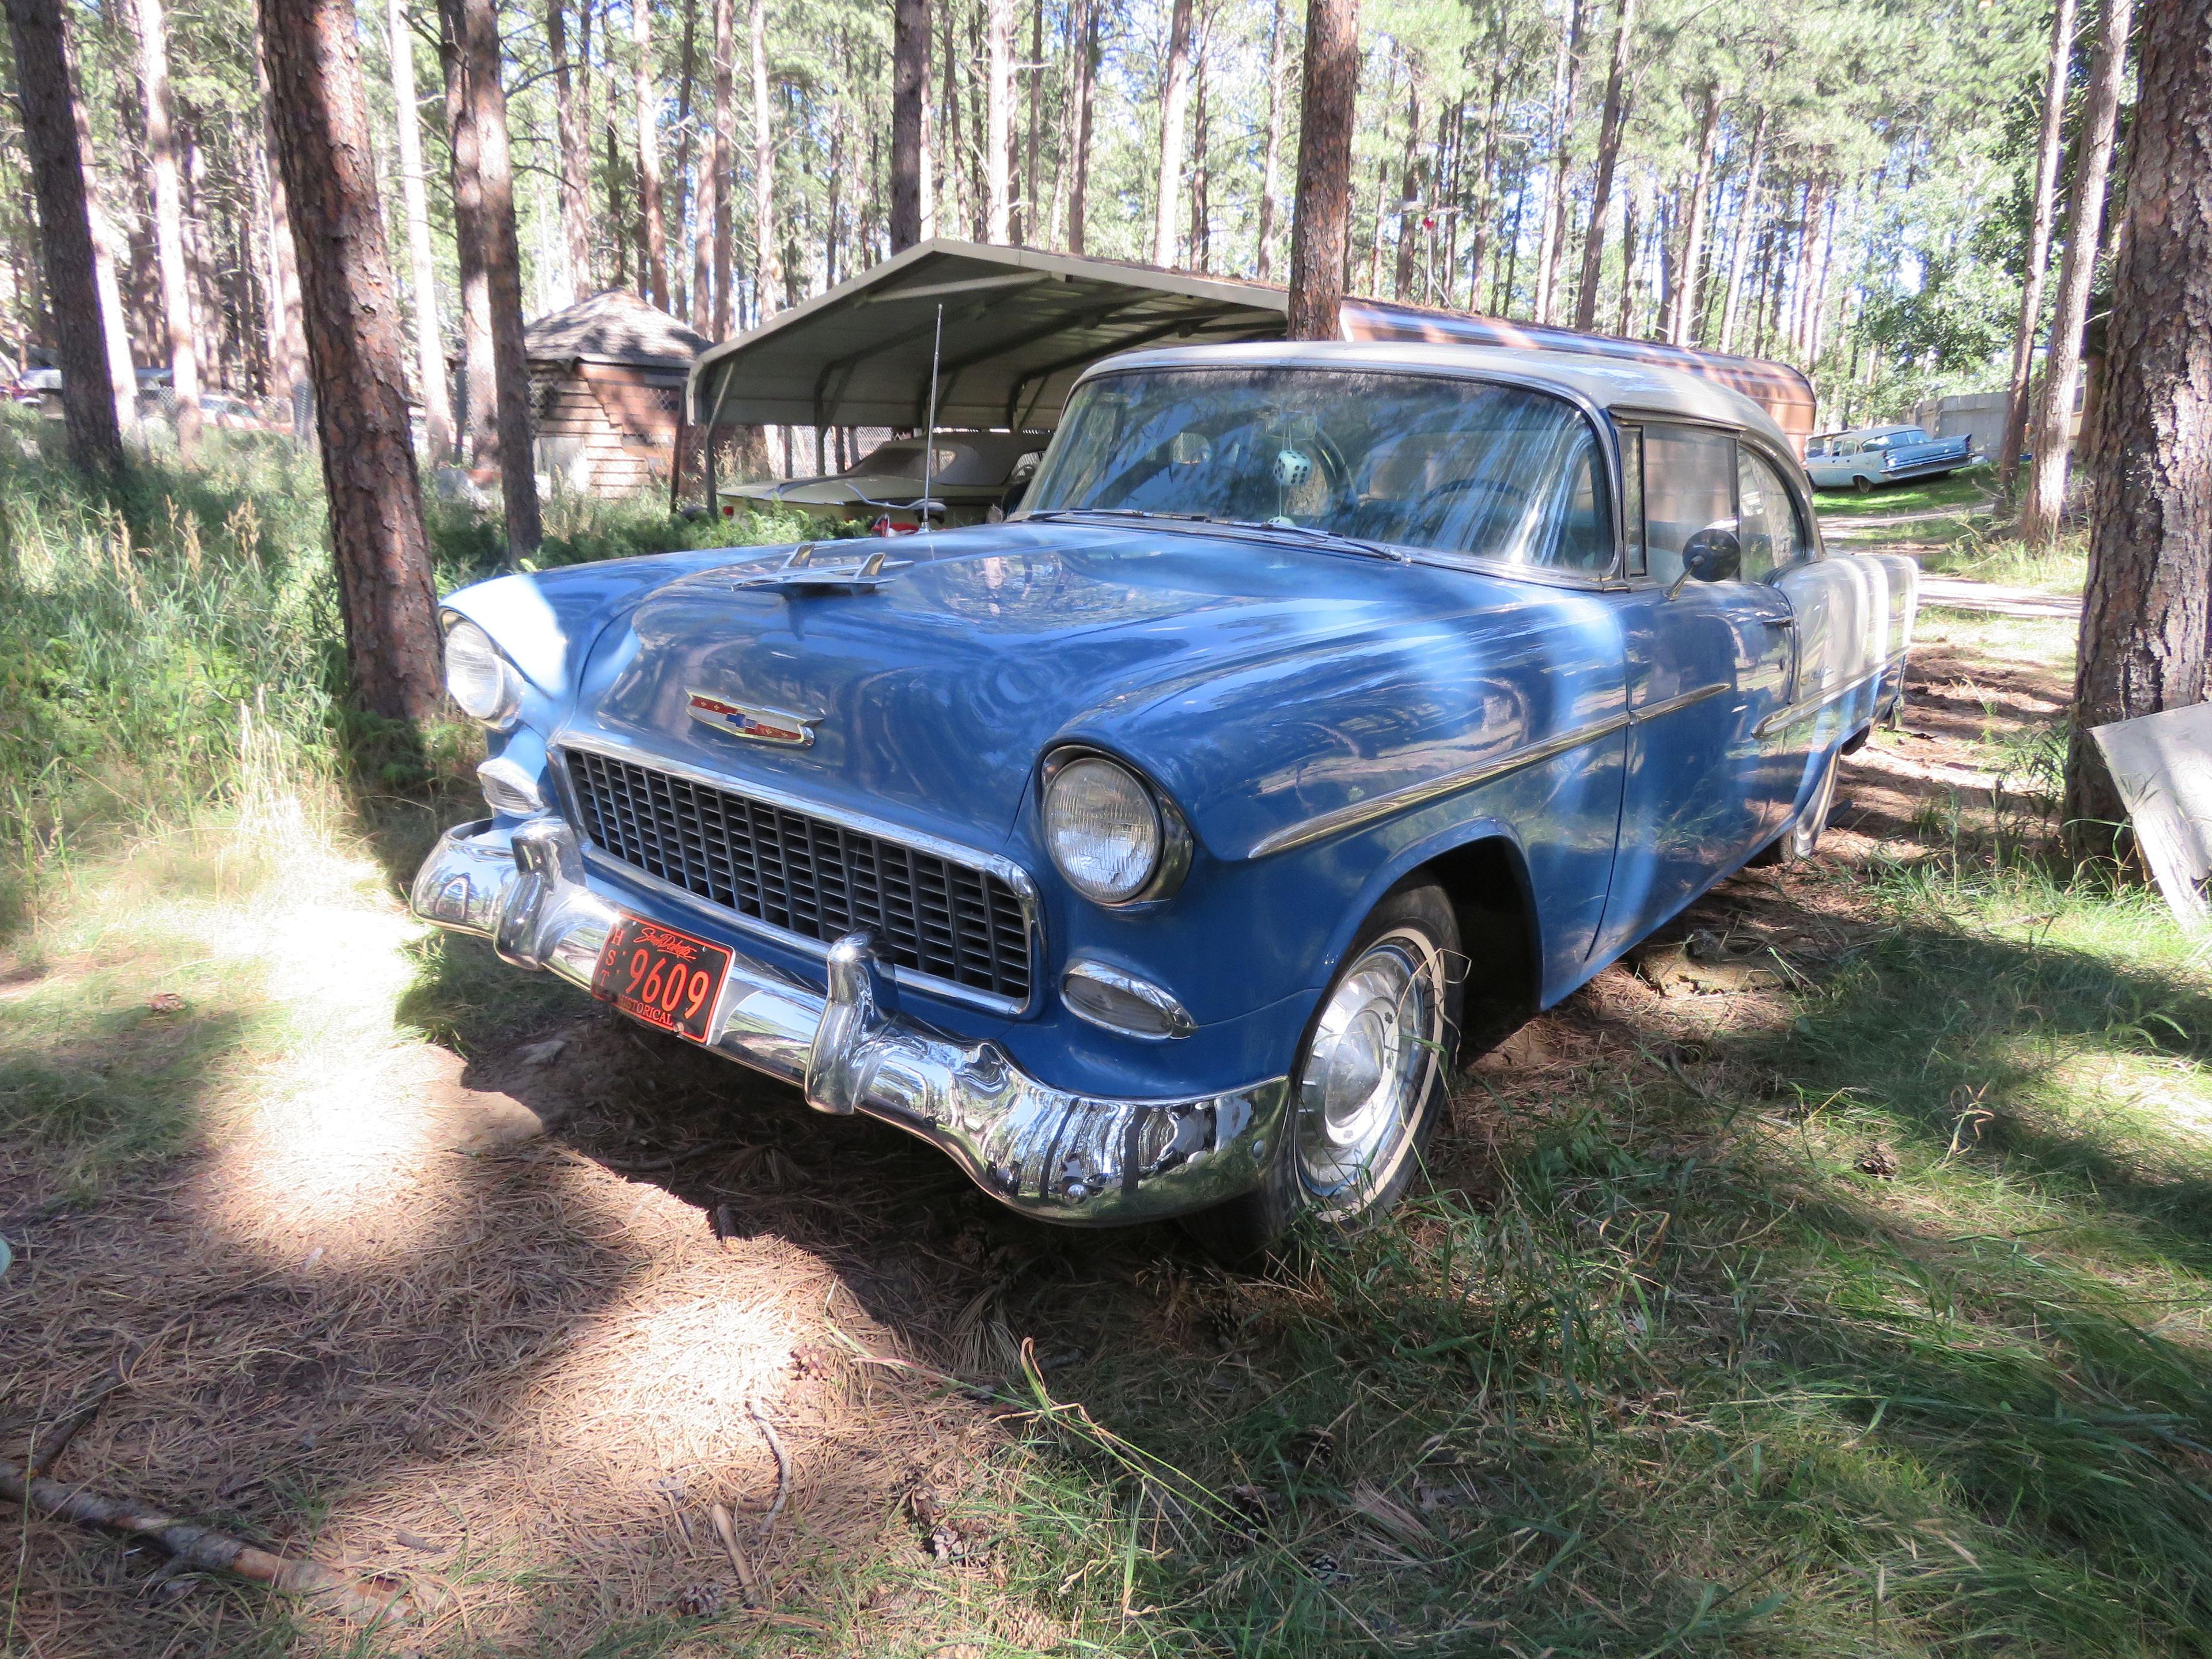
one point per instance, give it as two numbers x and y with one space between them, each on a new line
1020 327
615 326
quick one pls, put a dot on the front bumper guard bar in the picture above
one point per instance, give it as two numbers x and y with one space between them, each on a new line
1049 1153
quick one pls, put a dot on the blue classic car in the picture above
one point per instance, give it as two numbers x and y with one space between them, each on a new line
1149 852
1883 455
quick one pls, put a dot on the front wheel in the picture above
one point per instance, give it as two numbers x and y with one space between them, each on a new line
1372 1076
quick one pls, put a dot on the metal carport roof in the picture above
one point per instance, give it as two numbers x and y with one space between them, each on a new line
1021 325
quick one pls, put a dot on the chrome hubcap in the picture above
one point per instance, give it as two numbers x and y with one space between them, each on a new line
1368 1067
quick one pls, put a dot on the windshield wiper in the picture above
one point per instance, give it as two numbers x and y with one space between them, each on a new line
1314 533
1118 513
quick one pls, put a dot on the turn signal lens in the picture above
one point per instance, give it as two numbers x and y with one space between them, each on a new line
1103 829
478 679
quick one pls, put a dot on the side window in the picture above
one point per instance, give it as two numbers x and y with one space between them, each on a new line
1583 542
1689 484
1767 522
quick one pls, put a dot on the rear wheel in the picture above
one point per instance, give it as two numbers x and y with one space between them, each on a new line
1372 1074
1863 484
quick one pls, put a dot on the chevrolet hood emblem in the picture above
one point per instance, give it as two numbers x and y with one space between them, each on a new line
759 725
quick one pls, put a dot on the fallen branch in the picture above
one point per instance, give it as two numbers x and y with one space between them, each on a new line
205 1550
782 1467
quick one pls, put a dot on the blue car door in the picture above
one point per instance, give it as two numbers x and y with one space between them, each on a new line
1705 787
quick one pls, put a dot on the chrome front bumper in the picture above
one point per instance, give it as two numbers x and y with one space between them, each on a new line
1044 1151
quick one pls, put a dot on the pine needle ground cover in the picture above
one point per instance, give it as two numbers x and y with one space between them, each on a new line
1832 1278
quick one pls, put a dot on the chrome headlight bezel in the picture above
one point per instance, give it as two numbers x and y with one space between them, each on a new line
1170 835
498 709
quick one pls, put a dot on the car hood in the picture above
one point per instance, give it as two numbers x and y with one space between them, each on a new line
1224 666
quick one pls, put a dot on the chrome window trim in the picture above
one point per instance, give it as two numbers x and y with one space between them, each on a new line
991 864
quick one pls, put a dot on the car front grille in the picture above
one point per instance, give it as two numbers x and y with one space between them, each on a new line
806 874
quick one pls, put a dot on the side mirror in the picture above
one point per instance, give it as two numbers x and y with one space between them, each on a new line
1715 554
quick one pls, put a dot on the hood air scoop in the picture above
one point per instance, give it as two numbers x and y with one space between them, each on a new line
807 569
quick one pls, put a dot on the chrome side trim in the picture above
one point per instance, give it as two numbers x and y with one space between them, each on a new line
1805 708
1005 869
1652 711
1049 1152
1338 819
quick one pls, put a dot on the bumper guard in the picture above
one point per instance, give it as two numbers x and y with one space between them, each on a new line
1049 1153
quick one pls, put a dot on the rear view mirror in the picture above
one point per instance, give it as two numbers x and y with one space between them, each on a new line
1715 554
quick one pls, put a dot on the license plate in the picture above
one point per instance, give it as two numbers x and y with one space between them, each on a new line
665 978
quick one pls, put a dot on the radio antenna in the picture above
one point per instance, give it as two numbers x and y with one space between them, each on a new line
929 437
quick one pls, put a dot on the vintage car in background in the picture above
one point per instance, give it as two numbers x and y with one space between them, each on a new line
971 474
1883 455
1150 851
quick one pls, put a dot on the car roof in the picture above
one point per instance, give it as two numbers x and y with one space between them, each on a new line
1609 384
1876 431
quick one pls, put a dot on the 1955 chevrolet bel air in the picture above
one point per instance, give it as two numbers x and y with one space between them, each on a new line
1150 851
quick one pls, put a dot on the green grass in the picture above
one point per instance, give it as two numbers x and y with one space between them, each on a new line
1970 487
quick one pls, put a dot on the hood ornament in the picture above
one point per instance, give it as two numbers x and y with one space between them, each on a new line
807 568
740 719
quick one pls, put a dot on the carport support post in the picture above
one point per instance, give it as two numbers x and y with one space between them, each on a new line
713 420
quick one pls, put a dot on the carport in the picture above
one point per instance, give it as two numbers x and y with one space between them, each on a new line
1020 326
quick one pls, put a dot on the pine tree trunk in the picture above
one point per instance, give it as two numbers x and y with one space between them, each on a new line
655 246
1271 162
1687 295
1608 153
1409 191
1747 215
1485 190
947 206
474 24
479 387
2085 225
767 276
50 134
1086 81
572 131
1175 110
429 347
679 185
319 111
288 341
2145 606
115 332
722 185
1320 222
997 115
2049 153
1026 224
1566 78
1201 251
909 98
169 223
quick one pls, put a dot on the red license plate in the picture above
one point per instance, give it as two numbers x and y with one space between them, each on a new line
665 978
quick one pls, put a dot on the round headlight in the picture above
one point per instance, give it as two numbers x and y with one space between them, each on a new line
1103 829
477 677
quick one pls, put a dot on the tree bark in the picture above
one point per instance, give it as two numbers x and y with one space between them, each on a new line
1686 293
288 341
655 248
50 134
429 345
115 332
573 132
475 25
1175 110
767 274
1747 215
2084 228
1320 222
2145 606
726 64
998 117
169 223
1566 78
1201 209
1026 223
1409 190
479 416
1609 153
909 96
2049 152
350 305
1086 71
1271 162
678 185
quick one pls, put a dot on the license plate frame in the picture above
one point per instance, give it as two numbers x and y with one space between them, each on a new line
644 963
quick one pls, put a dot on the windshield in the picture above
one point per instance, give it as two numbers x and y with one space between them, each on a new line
1452 465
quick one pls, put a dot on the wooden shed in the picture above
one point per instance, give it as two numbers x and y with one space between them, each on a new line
606 386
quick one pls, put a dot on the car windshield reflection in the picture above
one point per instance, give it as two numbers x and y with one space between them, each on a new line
1436 462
